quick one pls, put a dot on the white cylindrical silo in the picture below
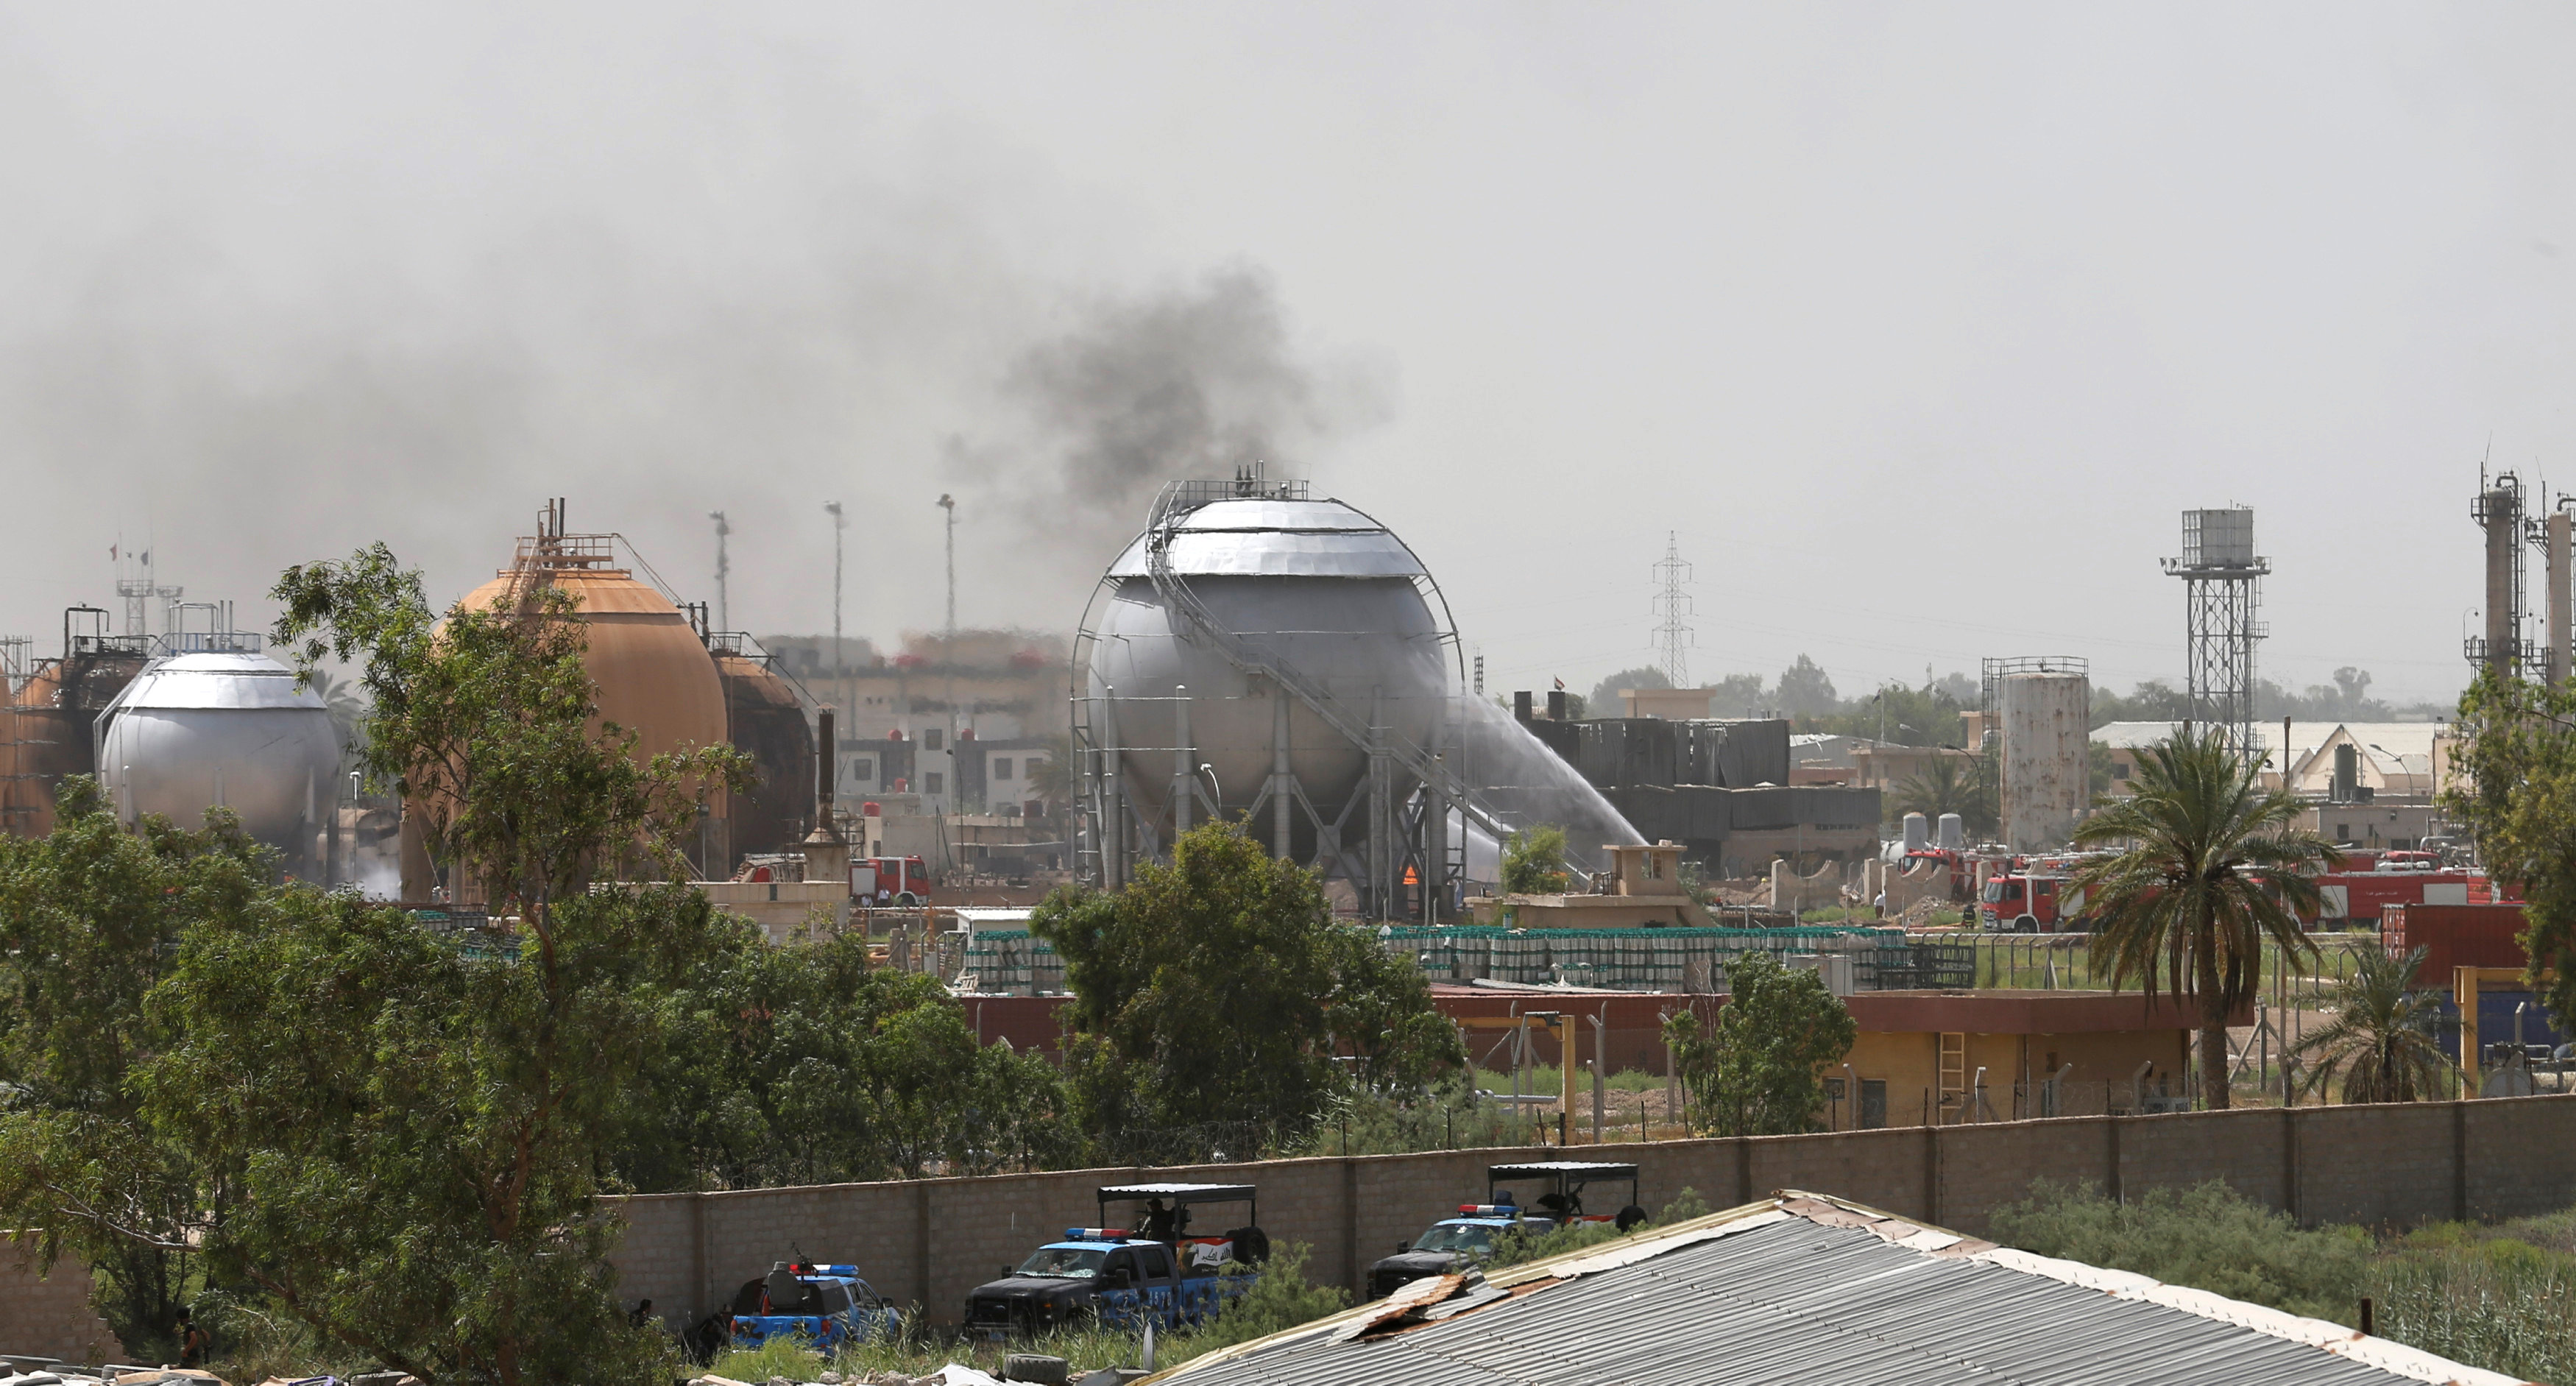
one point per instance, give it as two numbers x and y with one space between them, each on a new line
1918 832
2046 733
196 731
1953 834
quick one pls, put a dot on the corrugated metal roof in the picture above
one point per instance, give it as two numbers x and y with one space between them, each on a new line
1801 1289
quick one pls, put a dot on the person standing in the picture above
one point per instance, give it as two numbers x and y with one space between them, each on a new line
194 1342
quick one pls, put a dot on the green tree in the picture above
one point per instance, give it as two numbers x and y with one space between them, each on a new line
1759 1071
1738 695
1605 694
89 916
1805 690
2151 701
801 1064
1951 784
1534 861
2517 794
1051 774
411 1132
348 708
484 722
1211 997
2209 868
2383 1036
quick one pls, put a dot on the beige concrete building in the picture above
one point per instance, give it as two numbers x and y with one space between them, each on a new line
1669 704
1642 889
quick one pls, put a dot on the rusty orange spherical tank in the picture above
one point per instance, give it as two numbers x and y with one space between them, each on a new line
768 724
654 676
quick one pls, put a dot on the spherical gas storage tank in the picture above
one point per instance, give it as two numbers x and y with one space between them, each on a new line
653 674
51 730
1313 584
196 731
768 724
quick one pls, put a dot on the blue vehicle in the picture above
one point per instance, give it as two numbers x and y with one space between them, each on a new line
1468 1239
1124 1278
826 1306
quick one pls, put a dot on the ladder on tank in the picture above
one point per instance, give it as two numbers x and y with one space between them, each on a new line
1421 763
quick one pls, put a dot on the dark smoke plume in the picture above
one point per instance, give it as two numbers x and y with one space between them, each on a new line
1190 382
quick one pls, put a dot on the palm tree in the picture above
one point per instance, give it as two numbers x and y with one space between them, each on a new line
1052 778
2385 1037
348 710
2209 869
1950 784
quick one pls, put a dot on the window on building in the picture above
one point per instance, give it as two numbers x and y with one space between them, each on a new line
933 739
864 768
2343 832
2119 770
1001 767
934 783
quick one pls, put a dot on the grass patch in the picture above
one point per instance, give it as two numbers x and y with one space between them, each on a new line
2501 1296
2208 1237
1280 1300
1547 1080
787 1357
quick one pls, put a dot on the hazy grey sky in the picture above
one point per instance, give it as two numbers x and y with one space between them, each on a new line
1918 324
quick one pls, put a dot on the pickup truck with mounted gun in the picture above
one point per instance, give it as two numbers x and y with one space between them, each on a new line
1470 1237
1125 1277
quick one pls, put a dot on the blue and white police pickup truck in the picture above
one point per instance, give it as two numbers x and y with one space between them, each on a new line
1151 1271
827 1306
1468 1239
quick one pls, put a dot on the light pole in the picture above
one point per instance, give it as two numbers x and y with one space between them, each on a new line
948 503
724 618
840 522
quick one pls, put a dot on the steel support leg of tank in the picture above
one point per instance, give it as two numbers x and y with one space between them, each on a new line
1184 772
1284 801
1435 824
1113 805
1381 821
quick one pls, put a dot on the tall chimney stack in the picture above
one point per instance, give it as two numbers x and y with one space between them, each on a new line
2499 511
827 853
2556 533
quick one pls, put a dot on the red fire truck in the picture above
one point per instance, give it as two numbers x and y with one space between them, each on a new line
889 882
2408 878
2030 902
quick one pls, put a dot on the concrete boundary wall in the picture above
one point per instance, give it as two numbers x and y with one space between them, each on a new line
932 1241
48 1314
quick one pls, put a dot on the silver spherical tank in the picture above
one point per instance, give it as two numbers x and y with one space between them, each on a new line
1312 586
194 731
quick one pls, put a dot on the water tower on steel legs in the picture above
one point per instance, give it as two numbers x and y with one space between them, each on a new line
2222 596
